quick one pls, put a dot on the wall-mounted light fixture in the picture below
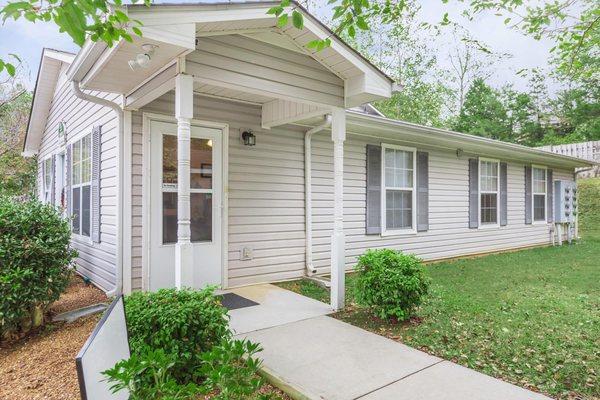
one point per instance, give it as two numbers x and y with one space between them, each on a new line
142 60
248 138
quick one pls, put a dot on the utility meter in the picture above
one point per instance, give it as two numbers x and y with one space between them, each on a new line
565 202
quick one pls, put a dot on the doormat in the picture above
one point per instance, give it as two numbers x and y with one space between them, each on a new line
232 301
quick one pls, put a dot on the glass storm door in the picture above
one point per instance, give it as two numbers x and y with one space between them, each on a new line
205 199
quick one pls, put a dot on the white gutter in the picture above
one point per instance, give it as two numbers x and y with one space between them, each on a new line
310 269
118 290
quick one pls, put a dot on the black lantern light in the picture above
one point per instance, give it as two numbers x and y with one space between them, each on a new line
248 138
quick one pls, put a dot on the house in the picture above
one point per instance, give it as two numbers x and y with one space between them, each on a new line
218 150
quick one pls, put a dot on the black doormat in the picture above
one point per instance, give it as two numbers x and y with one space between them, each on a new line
232 301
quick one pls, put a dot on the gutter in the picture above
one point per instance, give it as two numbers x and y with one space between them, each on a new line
118 290
310 269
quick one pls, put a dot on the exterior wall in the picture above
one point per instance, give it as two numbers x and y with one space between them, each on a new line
96 260
266 200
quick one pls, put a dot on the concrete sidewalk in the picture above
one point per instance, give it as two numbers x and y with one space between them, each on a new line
324 358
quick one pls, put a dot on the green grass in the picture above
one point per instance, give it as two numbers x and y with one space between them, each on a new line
589 203
530 317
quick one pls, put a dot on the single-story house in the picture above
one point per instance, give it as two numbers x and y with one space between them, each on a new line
218 149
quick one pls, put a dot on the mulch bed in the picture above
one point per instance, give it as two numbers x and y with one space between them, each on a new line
78 295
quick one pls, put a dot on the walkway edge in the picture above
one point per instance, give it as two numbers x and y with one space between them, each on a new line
294 392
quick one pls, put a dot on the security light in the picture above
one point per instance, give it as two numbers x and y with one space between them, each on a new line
142 60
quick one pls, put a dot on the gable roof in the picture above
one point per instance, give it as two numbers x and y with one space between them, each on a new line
51 63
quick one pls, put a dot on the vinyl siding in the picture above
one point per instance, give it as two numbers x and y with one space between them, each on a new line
266 200
96 260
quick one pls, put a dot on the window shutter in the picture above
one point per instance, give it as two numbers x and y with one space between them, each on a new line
473 193
373 216
422 191
503 194
42 195
549 198
53 180
68 161
528 198
96 151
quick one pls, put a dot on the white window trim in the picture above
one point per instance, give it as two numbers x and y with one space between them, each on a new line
534 193
413 229
78 237
48 189
488 225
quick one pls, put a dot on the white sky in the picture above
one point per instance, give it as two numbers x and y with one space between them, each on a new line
27 40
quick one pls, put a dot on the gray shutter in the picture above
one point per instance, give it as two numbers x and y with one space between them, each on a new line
53 180
528 198
69 168
549 196
503 194
373 216
422 191
42 195
473 193
96 151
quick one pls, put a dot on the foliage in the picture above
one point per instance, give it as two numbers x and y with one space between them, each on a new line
35 258
589 204
530 317
391 283
183 323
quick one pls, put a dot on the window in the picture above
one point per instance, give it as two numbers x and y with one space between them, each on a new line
488 191
398 197
539 193
81 190
48 180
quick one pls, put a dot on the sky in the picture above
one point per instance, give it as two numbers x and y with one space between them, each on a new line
27 40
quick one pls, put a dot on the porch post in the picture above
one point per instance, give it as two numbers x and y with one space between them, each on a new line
338 268
184 97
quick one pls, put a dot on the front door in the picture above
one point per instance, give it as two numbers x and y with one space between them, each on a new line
205 199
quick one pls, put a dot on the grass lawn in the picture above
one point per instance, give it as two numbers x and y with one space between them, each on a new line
530 317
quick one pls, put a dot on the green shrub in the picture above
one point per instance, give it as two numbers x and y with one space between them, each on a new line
391 283
183 323
589 204
35 260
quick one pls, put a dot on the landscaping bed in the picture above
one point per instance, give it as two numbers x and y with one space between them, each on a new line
530 317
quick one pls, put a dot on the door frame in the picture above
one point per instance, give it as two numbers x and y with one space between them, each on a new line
147 119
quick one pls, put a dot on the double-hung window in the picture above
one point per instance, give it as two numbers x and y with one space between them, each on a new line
81 190
539 193
48 178
489 181
398 186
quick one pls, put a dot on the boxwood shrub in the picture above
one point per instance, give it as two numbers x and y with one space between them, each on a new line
35 261
391 283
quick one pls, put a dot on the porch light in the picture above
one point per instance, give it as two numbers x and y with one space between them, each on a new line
142 60
249 138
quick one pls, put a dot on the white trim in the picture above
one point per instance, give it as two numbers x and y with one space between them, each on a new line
127 203
79 237
480 192
413 229
147 118
533 194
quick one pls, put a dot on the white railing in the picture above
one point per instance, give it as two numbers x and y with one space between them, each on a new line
586 150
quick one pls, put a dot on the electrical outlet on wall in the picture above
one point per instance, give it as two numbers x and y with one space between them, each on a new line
246 253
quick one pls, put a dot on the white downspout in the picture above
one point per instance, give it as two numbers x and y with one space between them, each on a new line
310 269
118 290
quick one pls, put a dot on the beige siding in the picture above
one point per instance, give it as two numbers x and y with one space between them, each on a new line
266 200
96 260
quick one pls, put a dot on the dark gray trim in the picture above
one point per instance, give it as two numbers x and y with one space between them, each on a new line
422 191
473 193
503 194
528 196
373 209
549 196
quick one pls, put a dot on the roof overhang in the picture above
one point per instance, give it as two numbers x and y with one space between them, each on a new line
50 66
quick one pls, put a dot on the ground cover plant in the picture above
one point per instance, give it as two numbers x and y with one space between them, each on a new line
35 262
530 317
589 204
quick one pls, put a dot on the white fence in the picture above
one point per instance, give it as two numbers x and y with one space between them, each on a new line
586 150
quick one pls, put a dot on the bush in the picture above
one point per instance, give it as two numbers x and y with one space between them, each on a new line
183 323
391 283
589 204
35 261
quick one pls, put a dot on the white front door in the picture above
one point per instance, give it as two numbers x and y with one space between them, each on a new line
206 203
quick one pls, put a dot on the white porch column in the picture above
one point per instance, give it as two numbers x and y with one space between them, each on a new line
338 268
184 97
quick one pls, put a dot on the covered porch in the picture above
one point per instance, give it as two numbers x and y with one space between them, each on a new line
236 55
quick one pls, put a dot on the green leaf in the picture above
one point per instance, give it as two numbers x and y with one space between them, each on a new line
298 19
10 69
361 23
282 20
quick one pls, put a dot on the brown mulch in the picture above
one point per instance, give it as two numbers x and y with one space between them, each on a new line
78 295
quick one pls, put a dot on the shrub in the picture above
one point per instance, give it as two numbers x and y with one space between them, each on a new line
589 204
391 283
183 323
35 260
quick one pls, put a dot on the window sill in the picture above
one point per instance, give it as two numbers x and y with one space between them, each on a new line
489 226
540 222
407 232
80 239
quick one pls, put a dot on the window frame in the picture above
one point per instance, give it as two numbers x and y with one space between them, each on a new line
487 225
80 236
413 228
534 193
48 187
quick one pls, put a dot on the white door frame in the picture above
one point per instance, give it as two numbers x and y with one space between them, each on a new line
148 117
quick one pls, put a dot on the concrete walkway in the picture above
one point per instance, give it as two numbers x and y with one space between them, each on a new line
324 358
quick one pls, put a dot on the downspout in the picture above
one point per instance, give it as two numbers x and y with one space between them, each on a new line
118 290
310 269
